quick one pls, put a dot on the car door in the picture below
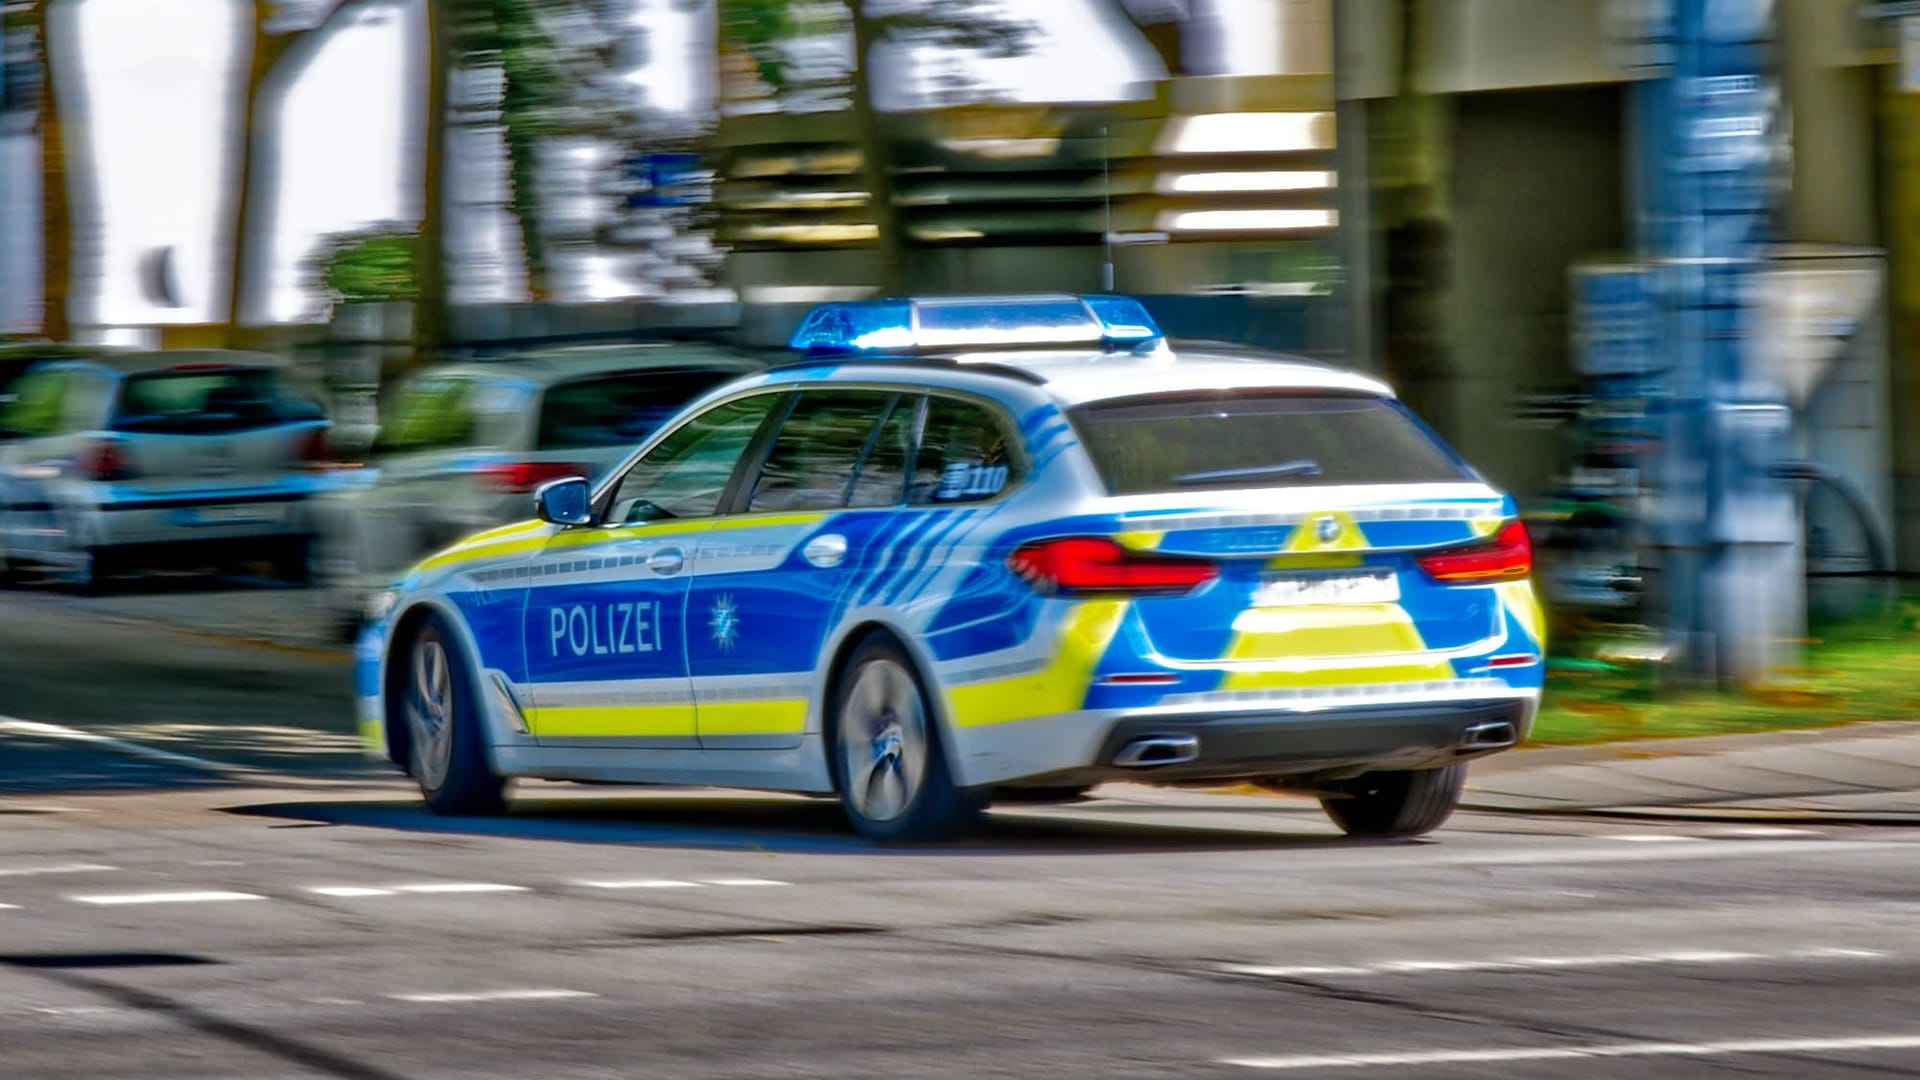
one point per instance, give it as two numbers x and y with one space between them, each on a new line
605 624
775 577
41 448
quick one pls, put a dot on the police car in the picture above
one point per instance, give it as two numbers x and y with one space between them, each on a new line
975 547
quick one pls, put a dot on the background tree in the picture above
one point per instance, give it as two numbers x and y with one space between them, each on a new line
764 31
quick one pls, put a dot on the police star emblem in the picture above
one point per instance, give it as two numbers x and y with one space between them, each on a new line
1328 529
724 621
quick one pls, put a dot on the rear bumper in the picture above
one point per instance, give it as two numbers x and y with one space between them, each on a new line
1280 745
1267 744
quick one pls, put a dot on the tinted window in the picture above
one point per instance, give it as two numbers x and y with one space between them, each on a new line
811 464
882 478
208 400
965 455
37 406
687 473
1259 439
618 410
433 414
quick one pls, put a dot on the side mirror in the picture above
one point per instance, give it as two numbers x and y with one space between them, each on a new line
564 502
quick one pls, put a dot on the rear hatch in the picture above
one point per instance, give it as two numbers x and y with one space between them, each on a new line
1336 544
209 427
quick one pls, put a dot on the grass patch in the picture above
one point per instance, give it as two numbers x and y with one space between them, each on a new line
1856 672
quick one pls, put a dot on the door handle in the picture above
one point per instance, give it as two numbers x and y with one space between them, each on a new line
666 561
826 551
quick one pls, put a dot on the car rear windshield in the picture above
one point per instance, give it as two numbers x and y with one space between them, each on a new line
617 410
1240 439
207 401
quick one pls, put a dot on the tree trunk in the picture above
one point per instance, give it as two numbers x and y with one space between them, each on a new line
430 255
267 51
56 234
890 272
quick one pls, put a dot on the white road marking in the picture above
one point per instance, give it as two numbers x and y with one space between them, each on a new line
1763 831
458 887
204 897
742 882
1545 963
59 868
132 749
1653 838
644 883
1721 1048
347 891
9 907
493 995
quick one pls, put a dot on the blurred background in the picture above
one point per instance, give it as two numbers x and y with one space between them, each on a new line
1649 264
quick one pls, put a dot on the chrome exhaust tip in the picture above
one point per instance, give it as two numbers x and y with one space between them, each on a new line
1158 750
1492 735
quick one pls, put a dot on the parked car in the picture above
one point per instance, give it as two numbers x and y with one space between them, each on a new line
112 462
462 448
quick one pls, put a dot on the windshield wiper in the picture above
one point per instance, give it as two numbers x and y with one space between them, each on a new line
1300 467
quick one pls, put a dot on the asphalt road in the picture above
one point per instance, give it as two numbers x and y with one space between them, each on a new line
228 892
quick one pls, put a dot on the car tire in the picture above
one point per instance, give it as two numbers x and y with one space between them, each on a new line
446 746
889 765
1396 803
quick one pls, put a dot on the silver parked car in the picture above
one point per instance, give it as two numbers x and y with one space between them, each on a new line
121 461
462 448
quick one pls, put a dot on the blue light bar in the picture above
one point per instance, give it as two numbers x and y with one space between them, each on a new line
974 322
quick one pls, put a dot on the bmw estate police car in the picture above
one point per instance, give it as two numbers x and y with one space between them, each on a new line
975 546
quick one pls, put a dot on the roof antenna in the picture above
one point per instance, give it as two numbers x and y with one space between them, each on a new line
1106 187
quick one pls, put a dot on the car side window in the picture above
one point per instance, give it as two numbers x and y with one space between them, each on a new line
965 455
686 474
882 477
432 414
38 407
812 464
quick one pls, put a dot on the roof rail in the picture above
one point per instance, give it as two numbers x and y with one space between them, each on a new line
944 362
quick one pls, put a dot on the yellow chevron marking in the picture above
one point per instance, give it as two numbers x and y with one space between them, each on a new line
1060 687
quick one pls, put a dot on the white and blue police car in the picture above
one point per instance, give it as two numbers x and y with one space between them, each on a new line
987 545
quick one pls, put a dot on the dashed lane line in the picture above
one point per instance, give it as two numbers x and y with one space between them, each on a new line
1492 1055
1545 963
207 896
477 996
9 724
56 868
431 888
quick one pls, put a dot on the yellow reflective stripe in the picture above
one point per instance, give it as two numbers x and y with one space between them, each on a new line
771 717
494 544
1140 541
1328 631
373 734
1317 562
570 721
1484 527
1519 598
1060 687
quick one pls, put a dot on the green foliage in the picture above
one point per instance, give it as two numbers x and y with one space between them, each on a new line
761 28
374 265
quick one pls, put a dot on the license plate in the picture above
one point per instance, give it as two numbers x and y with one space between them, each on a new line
235 515
1328 587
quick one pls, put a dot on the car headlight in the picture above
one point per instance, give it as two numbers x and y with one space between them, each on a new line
380 603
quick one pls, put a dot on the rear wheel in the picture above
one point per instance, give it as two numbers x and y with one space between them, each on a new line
447 751
889 766
1395 803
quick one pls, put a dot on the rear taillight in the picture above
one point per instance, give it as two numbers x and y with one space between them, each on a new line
1092 564
312 447
524 476
1507 556
107 461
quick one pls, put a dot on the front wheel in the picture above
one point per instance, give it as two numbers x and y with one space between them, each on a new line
1396 803
447 752
888 763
